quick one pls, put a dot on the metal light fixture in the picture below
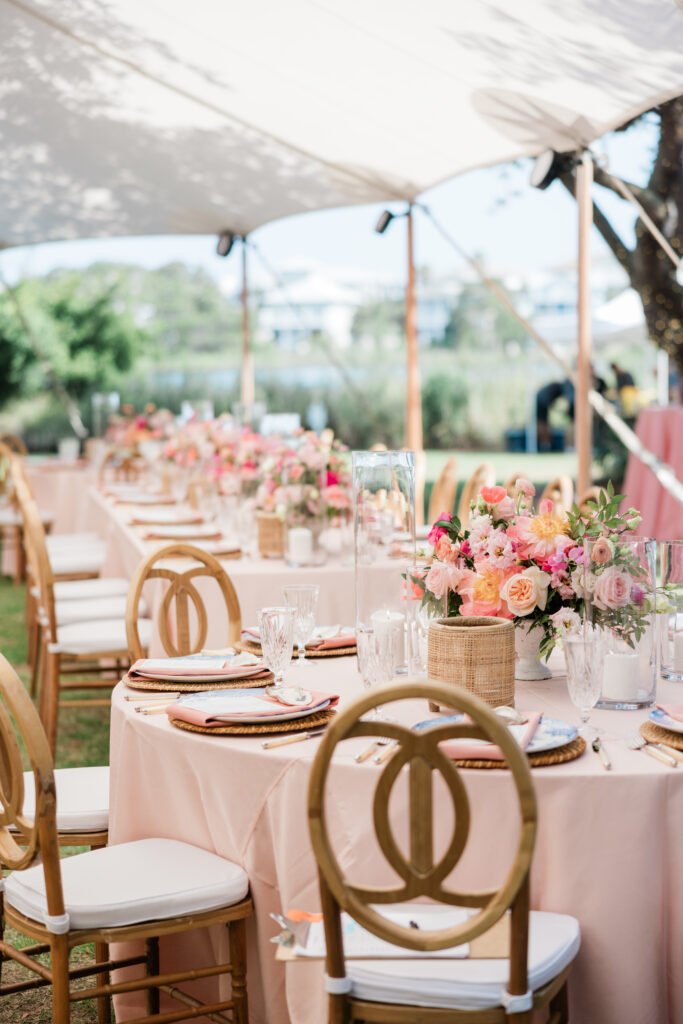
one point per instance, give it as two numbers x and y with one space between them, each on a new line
226 240
385 219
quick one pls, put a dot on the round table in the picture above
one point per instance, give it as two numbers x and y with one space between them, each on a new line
609 848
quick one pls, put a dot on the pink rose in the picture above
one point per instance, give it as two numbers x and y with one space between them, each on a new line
492 495
612 589
436 580
506 508
525 487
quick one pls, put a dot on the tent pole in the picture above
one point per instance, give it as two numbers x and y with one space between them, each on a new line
247 376
583 421
413 388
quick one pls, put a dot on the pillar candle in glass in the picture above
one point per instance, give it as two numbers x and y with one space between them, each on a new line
619 598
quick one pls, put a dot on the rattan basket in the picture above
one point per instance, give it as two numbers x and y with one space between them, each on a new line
271 535
475 652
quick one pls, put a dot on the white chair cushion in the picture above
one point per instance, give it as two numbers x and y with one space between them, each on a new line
100 635
94 608
87 559
554 941
82 798
147 880
72 540
83 590
11 516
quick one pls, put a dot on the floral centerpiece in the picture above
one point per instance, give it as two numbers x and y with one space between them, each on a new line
528 566
306 480
128 428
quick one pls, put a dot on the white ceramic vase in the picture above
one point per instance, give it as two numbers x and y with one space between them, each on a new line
528 664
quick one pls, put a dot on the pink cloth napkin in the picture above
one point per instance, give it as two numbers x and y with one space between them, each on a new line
136 671
674 711
252 633
270 707
165 532
330 644
144 518
472 750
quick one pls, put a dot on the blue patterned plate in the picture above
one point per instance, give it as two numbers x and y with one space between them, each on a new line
551 732
661 719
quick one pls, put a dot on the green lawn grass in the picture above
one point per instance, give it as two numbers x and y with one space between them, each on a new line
83 740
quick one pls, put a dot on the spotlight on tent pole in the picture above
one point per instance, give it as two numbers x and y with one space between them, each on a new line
226 240
550 165
385 219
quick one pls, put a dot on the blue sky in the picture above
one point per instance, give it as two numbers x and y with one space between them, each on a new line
492 212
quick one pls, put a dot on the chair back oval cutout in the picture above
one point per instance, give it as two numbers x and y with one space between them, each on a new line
561 492
183 592
419 874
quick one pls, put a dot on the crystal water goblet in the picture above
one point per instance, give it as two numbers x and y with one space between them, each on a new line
276 629
375 656
303 598
585 656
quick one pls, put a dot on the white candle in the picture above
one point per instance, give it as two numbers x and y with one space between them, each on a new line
384 622
678 652
620 677
300 545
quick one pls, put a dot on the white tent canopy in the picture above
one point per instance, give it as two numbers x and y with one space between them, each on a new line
121 117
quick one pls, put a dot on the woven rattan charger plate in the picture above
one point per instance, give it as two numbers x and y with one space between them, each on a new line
315 721
568 752
339 652
657 734
247 683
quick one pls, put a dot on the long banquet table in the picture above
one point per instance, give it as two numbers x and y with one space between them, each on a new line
609 848
258 581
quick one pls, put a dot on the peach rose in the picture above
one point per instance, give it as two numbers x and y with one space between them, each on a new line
443 548
526 591
602 551
612 589
492 495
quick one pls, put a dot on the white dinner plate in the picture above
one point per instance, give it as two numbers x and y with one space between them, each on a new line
550 734
663 720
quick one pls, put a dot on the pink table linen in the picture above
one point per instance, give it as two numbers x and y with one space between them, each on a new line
661 431
258 581
609 849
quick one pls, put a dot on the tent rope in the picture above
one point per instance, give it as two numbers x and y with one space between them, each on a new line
665 474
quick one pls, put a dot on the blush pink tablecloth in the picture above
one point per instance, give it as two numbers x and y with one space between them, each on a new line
609 849
661 431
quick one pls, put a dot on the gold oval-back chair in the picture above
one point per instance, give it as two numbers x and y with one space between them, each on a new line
121 465
483 476
183 592
14 443
509 485
592 494
561 492
413 870
33 843
442 498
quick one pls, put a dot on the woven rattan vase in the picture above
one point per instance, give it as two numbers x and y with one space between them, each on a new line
271 535
474 652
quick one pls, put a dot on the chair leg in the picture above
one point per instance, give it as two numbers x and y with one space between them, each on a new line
103 1002
61 1009
152 994
559 1006
237 935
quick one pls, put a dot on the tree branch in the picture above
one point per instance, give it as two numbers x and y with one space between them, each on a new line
622 253
651 200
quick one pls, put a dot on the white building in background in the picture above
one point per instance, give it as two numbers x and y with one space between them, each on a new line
308 304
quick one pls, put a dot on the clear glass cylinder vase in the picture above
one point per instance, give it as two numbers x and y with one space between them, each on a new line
670 609
619 584
384 541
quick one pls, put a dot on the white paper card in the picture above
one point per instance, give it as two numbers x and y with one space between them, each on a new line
360 943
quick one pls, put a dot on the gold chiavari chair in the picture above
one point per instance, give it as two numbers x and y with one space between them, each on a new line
442 498
561 492
11 522
529 968
138 892
73 648
483 476
182 591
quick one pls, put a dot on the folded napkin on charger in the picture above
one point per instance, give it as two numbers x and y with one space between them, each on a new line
332 643
674 711
215 707
252 633
474 750
220 665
